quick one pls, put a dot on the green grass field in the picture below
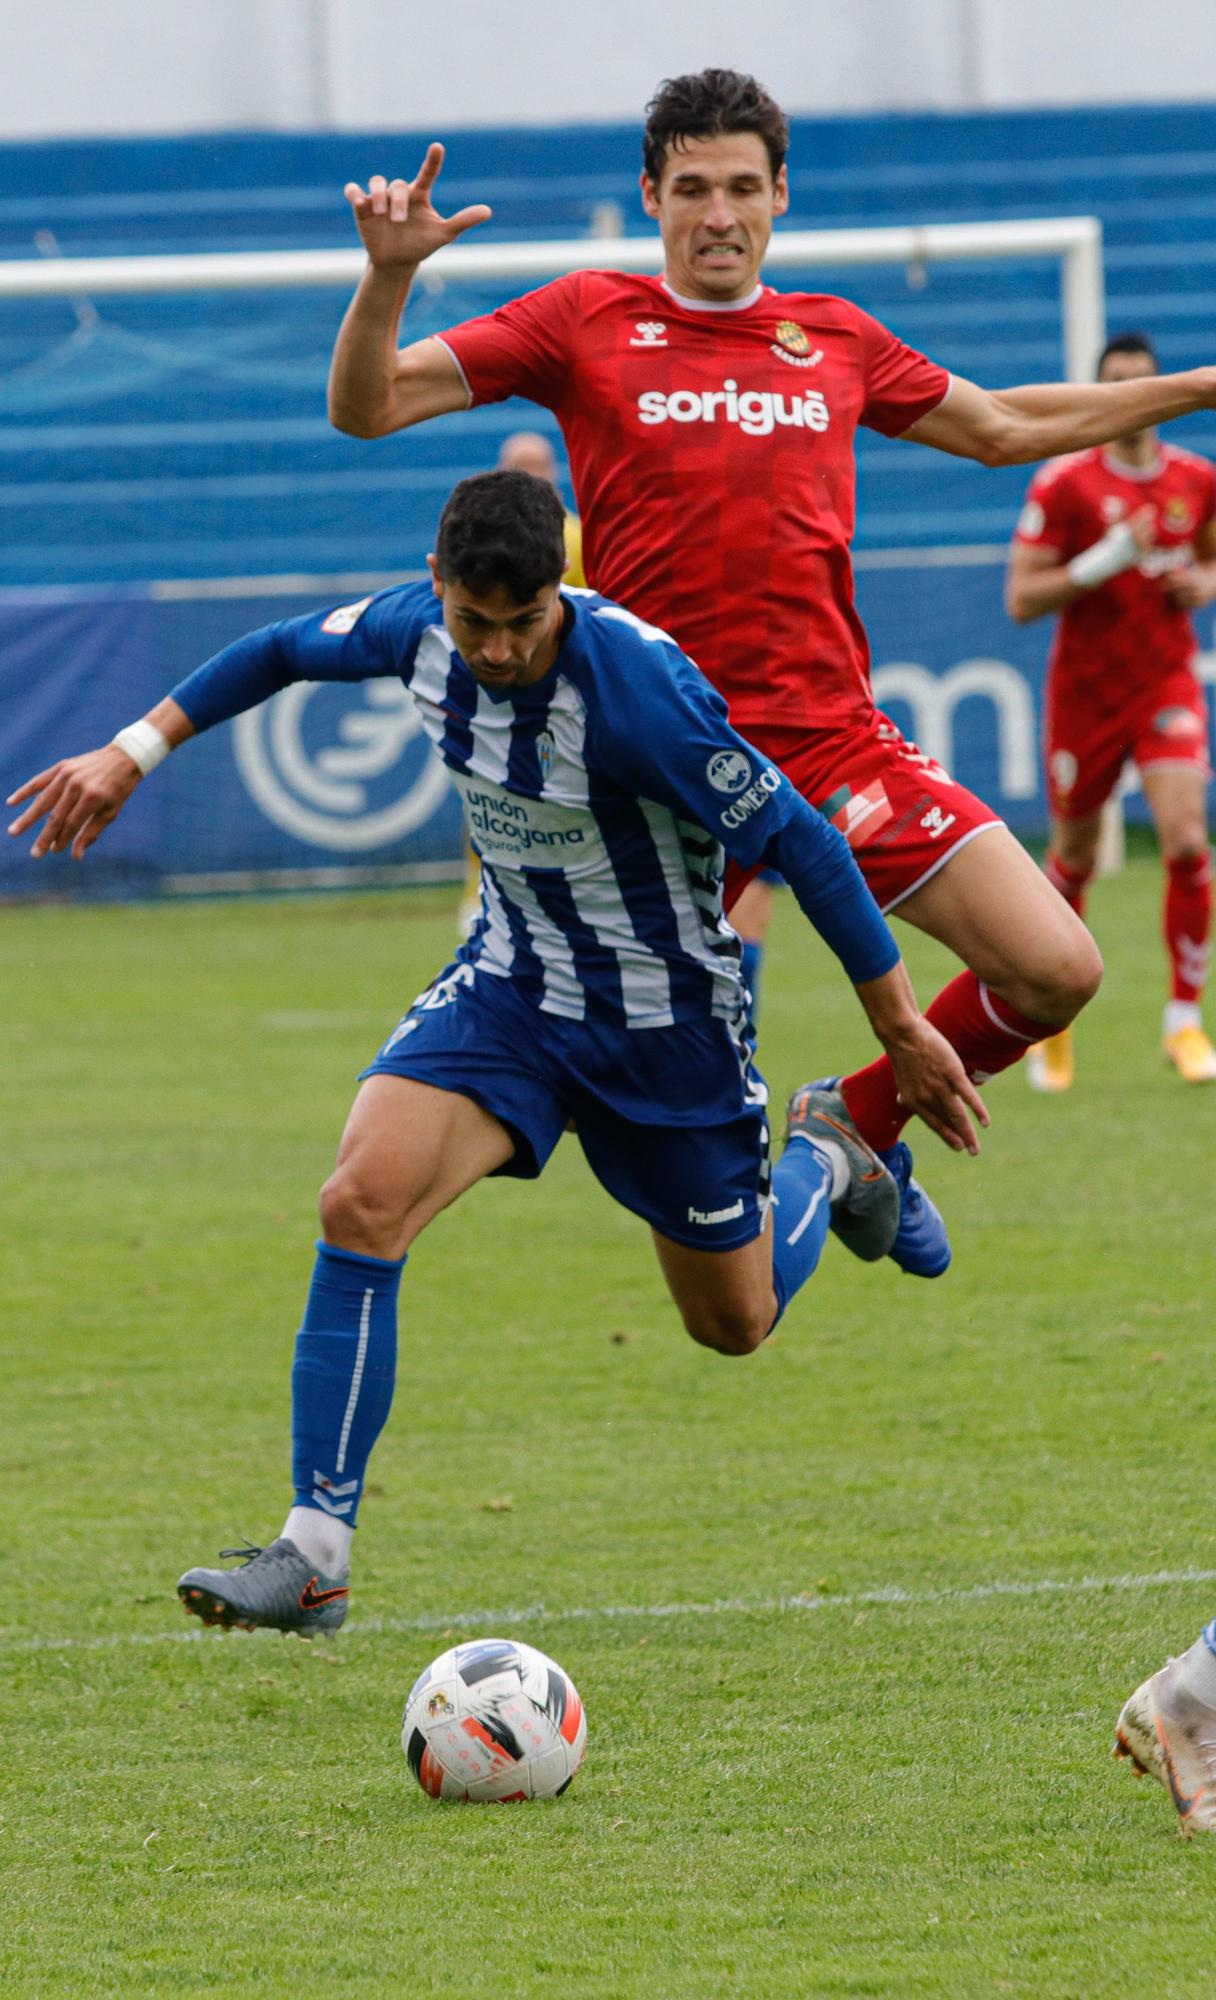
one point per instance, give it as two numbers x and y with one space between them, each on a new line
852 1619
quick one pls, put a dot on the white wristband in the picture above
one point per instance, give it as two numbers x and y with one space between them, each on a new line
143 744
1118 550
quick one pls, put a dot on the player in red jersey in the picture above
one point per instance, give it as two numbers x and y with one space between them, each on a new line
1121 543
709 422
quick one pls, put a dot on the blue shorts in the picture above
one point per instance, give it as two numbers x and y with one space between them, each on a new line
673 1121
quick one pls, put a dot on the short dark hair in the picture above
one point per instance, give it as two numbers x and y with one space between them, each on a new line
707 104
1128 343
502 529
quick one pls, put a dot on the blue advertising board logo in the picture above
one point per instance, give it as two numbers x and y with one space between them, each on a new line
344 768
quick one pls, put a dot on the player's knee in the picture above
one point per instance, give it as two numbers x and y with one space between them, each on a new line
725 1330
1187 844
359 1214
1085 970
1071 866
1073 978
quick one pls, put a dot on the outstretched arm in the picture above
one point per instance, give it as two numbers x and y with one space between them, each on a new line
81 796
1042 420
375 386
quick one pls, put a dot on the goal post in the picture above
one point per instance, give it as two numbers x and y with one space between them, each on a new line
1075 240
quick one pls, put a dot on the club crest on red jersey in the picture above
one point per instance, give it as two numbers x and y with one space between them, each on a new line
793 344
1177 515
793 336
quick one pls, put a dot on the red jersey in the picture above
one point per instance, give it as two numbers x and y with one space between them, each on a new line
711 448
1115 643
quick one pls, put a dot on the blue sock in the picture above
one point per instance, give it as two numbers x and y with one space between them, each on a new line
753 966
801 1213
342 1377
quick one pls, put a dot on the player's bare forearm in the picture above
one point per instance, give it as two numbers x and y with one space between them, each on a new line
172 721
931 1080
1038 583
364 392
78 797
374 387
1194 588
890 1003
1033 595
1041 420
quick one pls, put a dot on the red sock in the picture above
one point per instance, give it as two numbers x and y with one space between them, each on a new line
1070 881
1187 923
986 1031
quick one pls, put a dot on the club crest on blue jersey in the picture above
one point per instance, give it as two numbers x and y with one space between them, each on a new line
546 751
728 771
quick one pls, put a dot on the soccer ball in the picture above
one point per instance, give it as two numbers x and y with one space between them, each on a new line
494 1719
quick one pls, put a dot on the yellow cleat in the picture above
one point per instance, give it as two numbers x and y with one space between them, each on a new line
1192 1055
1049 1064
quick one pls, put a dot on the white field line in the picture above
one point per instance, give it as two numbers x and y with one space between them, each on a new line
720 1607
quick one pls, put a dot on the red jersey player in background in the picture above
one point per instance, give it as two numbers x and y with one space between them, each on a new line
709 422
1121 542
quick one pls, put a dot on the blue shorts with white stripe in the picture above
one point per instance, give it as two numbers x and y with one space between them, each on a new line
673 1121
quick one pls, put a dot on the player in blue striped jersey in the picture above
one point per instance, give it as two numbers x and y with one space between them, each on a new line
601 982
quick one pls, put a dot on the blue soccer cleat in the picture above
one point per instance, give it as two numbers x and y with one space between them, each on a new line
921 1246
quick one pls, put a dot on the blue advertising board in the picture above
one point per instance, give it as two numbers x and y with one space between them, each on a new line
337 784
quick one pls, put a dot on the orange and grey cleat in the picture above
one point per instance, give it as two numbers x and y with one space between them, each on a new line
1167 1734
275 1586
1050 1065
866 1215
1191 1052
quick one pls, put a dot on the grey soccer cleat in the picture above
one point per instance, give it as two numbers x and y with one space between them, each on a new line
866 1216
1168 1734
275 1586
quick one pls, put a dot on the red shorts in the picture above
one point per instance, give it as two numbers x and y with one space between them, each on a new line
1085 750
901 812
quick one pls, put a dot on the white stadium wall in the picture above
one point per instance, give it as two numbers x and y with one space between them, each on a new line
141 66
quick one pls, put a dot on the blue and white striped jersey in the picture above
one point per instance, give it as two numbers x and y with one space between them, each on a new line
601 799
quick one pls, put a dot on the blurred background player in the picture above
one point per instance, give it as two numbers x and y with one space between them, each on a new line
522 451
1120 542
531 451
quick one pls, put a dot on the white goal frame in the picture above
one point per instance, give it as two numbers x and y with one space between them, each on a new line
1075 240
